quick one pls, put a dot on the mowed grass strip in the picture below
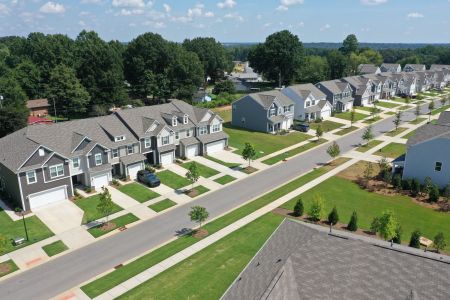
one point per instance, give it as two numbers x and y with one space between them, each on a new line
347 196
392 150
417 121
203 170
138 192
199 189
396 132
225 179
347 116
121 221
346 130
440 109
208 273
408 135
89 206
107 282
372 120
10 266
55 248
162 205
326 125
292 152
224 163
387 104
368 146
172 180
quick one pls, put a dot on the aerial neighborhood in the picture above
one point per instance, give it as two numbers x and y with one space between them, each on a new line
162 154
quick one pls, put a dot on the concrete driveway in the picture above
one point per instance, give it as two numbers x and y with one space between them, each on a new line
61 216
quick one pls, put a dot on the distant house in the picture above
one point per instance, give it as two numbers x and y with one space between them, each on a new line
427 153
388 86
368 69
364 90
393 68
406 83
38 107
201 96
414 68
32 120
338 93
439 67
310 102
270 112
424 81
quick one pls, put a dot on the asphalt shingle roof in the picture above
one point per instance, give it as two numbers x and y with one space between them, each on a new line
303 91
265 99
432 131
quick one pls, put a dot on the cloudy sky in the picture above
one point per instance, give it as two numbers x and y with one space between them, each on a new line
234 20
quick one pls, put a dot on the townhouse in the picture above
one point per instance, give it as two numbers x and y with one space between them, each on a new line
364 69
364 90
40 164
392 68
388 86
414 68
338 93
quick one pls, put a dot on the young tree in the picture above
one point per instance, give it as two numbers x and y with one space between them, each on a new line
334 150
397 182
368 173
352 116
375 225
443 100
319 132
433 194
398 119
417 111
248 153
383 163
427 185
225 86
105 205
373 112
333 216
415 187
439 242
415 239
353 224
368 134
388 225
193 174
299 208
430 110
398 235
198 214
316 209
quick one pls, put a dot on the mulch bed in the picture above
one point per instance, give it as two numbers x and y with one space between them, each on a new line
249 170
4 268
192 193
107 226
200 233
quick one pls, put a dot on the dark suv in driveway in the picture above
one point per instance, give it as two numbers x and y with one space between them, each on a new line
148 178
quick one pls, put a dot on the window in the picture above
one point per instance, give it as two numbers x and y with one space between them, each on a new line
177 135
41 152
98 159
119 138
174 121
216 128
56 171
31 177
115 153
185 119
307 104
130 149
203 130
165 140
147 143
438 166
76 162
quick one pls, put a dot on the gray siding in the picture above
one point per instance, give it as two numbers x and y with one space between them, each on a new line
328 93
91 157
11 184
83 145
255 116
421 158
36 159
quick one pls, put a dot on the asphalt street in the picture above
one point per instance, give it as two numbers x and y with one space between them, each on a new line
72 269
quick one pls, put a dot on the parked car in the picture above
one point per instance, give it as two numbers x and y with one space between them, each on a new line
148 178
303 127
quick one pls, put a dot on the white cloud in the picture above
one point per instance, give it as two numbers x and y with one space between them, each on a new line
209 14
415 15
196 11
52 8
259 16
282 8
81 23
4 10
154 24
226 4
284 4
373 2
167 8
91 1
301 24
128 3
325 27
234 16
130 12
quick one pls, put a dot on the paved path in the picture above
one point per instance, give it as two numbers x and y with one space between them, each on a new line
80 265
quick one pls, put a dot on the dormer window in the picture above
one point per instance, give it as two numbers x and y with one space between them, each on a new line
185 119
41 152
174 121
119 138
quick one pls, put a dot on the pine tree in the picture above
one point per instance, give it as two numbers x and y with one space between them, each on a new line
398 235
353 224
415 187
415 239
433 194
299 208
316 210
439 242
333 217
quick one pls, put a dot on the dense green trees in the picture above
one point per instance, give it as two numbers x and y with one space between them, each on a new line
13 112
314 69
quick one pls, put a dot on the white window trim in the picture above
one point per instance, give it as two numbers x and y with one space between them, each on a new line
200 130
185 119
128 149
147 142
28 178
56 167
95 159
174 121
216 128
77 159
115 153
162 140
188 133
177 135
119 138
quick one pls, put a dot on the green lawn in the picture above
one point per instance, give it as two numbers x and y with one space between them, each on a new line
172 180
138 192
441 109
225 179
224 114
107 282
200 190
387 104
407 136
372 120
55 248
89 206
396 132
367 108
37 231
370 145
392 150
347 115
263 143
203 170
12 267
224 163
326 125
348 196
404 107
390 113
292 152
162 205
417 121
118 222
346 130
208 273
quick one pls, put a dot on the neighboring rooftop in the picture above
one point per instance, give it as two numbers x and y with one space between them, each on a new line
37 103
368 69
303 91
301 262
431 131
265 99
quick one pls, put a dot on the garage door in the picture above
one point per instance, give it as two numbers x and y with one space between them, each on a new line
325 114
192 151
133 169
166 158
215 147
47 197
100 181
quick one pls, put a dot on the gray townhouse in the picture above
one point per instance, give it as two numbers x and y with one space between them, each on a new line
424 81
388 86
338 93
364 69
406 83
269 112
414 68
364 90
392 68
436 67
41 164
310 102
427 153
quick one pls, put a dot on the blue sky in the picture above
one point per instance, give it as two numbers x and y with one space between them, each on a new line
234 20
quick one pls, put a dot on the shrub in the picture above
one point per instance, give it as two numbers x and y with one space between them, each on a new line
316 209
149 168
115 182
299 208
333 217
439 242
158 166
318 120
88 189
415 239
406 184
353 224
415 187
433 193
398 235
375 225
397 181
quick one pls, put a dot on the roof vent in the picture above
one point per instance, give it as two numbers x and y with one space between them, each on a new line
41 152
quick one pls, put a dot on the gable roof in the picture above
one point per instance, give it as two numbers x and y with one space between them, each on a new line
265 99
37 103
367 69
431 131
334 86
304 90
435 67
416 67
389 67
301 261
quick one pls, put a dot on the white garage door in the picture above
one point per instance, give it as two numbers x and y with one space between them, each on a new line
326 113
192 151
100 181
48 197
166 158
133 169
215 147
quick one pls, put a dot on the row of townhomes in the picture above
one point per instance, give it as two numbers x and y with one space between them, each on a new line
40 164
276 110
